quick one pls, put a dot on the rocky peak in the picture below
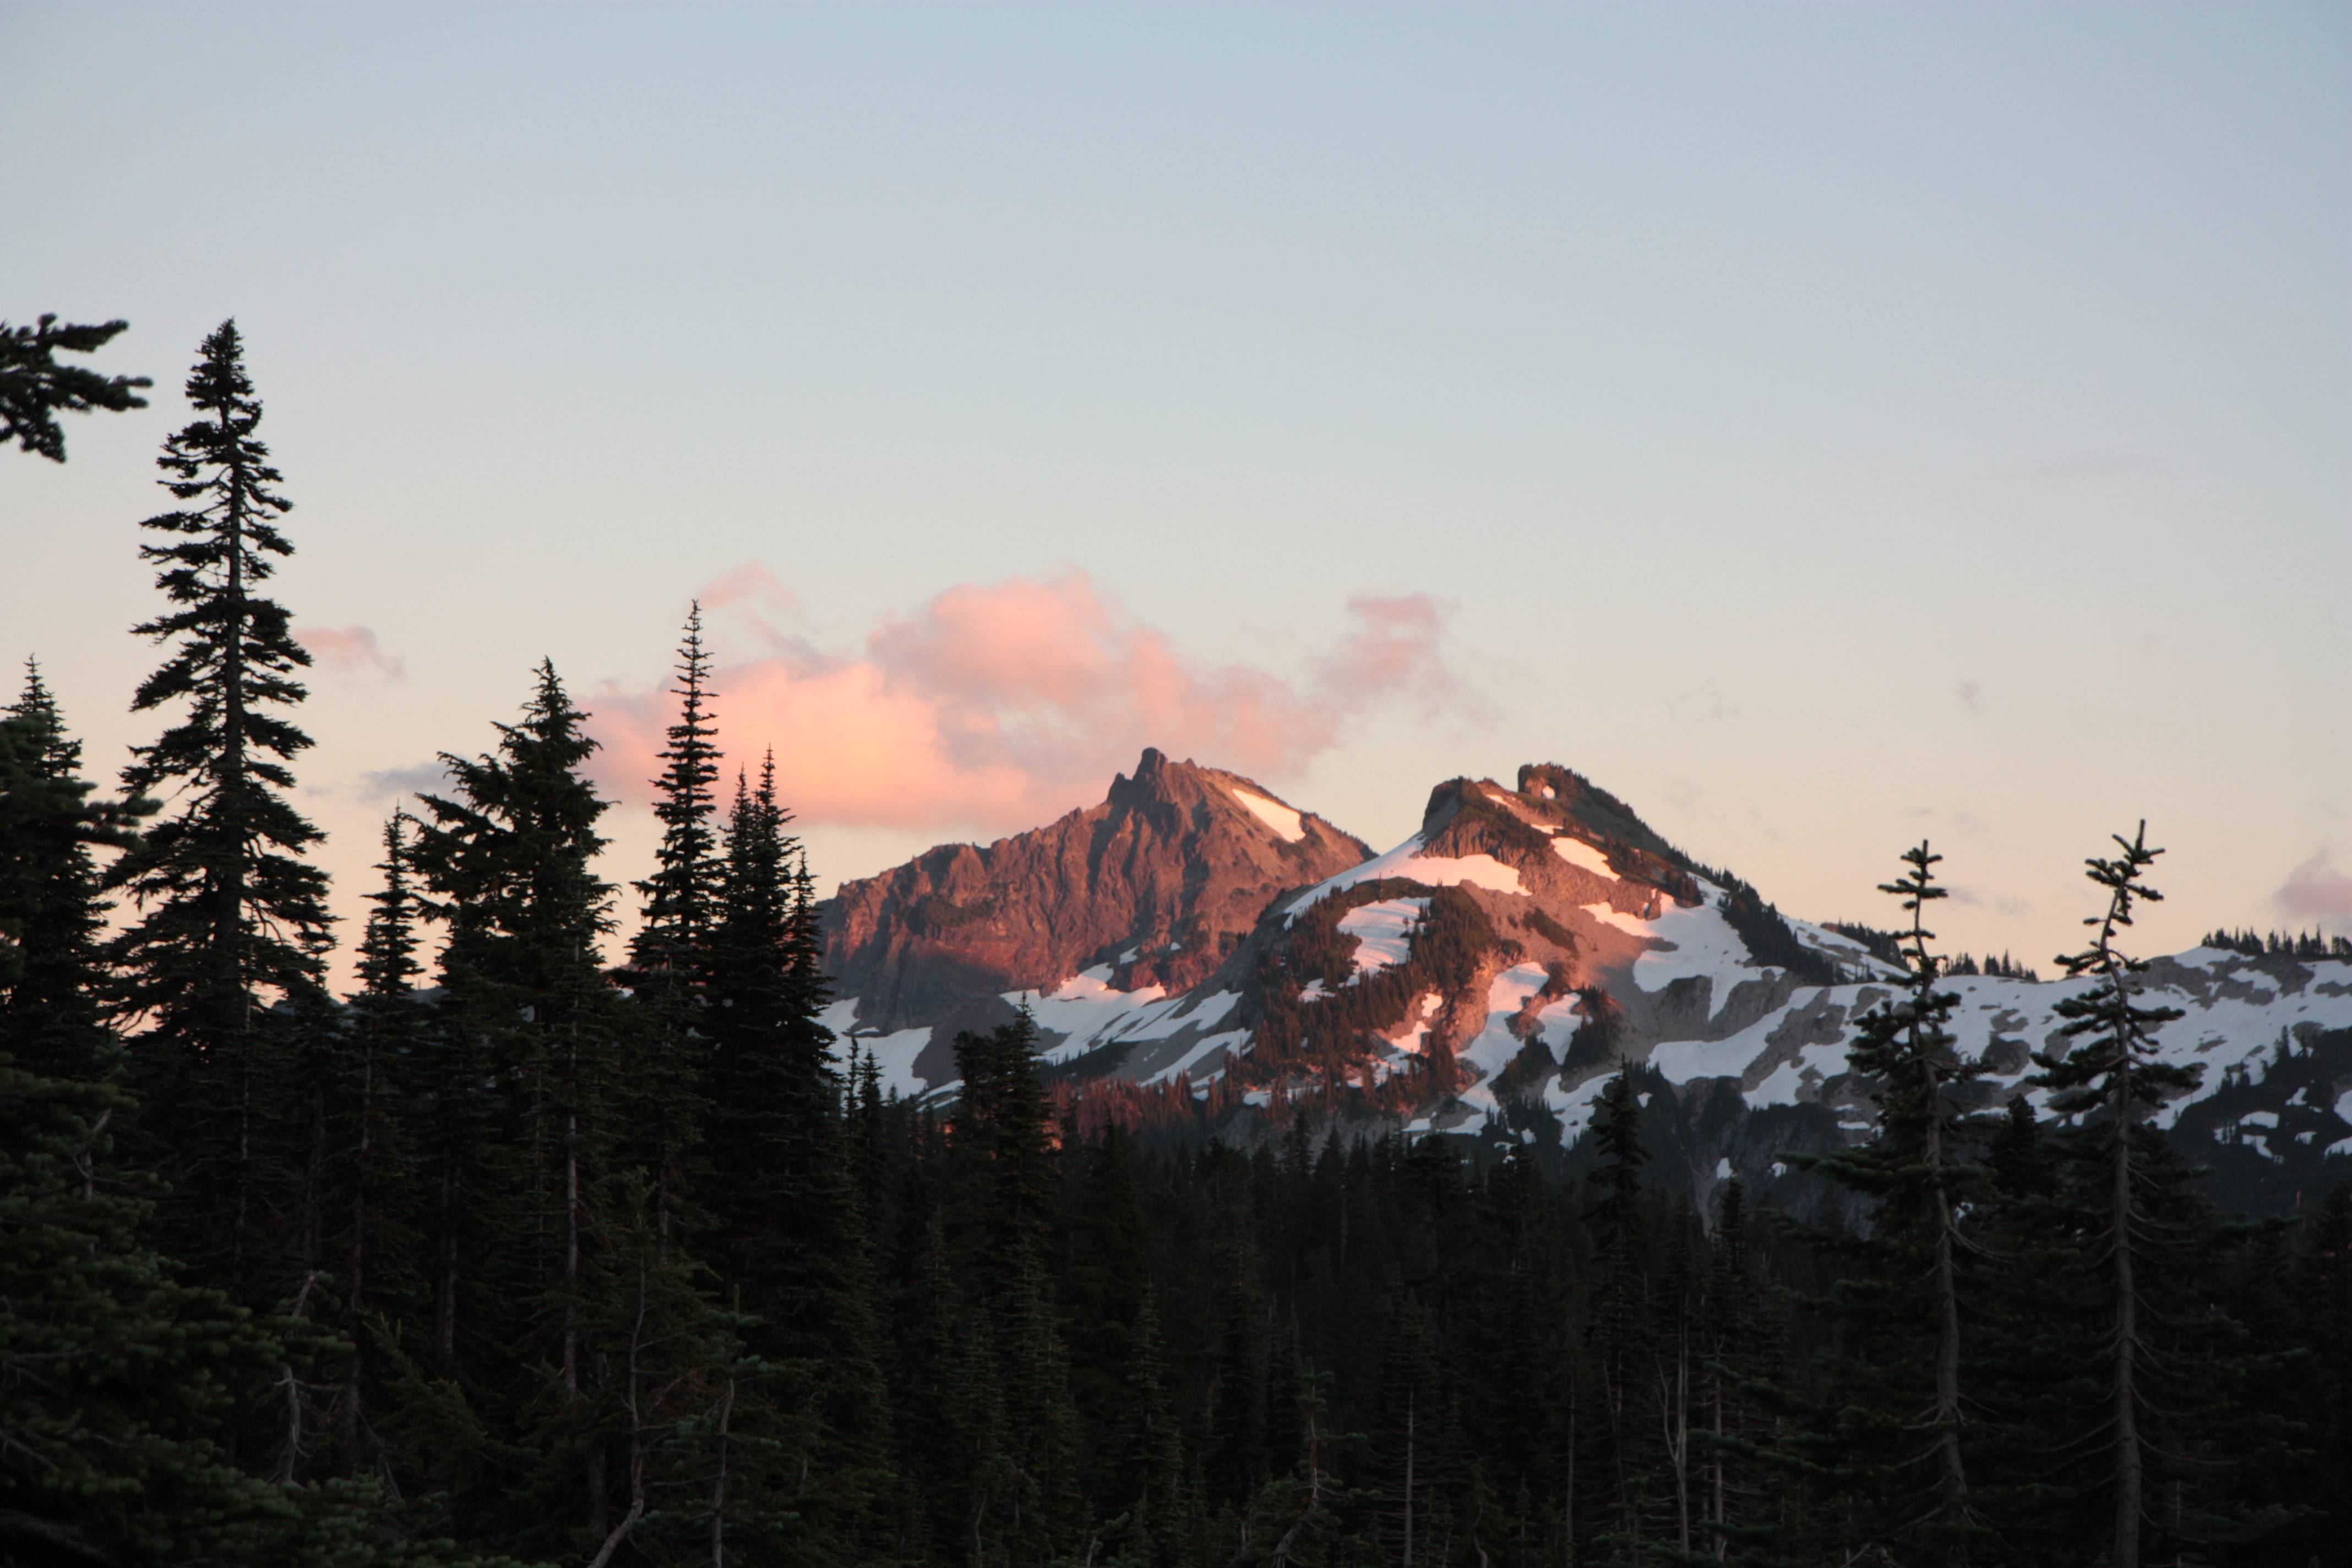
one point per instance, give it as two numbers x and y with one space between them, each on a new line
1159 882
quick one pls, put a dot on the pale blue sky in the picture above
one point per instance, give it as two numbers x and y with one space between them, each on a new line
1827 423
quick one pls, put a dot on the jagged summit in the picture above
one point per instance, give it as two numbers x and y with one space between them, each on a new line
1491 972
1154 886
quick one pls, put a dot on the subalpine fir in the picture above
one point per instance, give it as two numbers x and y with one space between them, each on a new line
1900 1414
54 982
2159 1346
787 1230
229 925
673 958
535 1074
117 1379
34 388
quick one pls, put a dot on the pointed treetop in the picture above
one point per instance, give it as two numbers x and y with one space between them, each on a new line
2122 878
1916 888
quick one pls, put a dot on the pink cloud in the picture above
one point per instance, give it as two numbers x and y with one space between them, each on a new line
348 650
2316 890
999 705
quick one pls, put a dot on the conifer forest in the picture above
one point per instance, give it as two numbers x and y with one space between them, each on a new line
517 1255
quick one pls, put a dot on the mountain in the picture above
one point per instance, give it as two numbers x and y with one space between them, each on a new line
1487 975
1140 897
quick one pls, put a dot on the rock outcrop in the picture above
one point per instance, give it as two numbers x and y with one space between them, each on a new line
1160 882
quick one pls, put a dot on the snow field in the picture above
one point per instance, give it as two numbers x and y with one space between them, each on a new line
1584 856
1383 933
1287 824
1407 861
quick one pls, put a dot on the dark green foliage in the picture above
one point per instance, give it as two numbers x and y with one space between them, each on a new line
672 951
230 924
516 1253
2139 1210
1908 1282
2280 943
1881 944
787 1231
1768 936
34 388
53 982
117 1380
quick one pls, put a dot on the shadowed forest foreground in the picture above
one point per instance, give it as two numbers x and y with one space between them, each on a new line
511 1257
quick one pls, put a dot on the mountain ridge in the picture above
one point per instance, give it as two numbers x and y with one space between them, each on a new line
1487 974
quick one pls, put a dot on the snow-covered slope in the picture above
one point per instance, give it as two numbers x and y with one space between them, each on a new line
1487 975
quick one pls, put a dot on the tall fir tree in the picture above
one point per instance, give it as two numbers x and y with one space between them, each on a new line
1900 1410
672 959
54 983
370 1186
116 1378
231 922
529 1251
684 897
1619 1330
784 1197
2151 1236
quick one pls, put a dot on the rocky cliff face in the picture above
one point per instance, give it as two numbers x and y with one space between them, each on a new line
1158 884
1487 975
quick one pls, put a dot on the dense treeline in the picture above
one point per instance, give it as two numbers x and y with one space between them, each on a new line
513 1255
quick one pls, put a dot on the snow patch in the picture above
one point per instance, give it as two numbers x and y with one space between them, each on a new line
1406 861
1286 824
1584 856
1383 933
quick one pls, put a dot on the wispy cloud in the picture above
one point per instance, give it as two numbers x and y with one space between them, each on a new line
1702 704
1999 903
998 704
2316 890
350 649
386 785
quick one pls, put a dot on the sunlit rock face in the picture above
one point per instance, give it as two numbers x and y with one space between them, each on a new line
1155 886
1487 974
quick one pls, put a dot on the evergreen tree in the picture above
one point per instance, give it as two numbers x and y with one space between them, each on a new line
1900 1407
231 920
789 1231
115 1378
672 958
1738 1356
685 895
52 978
2326 1321
371 1173
1005 1141
2150 1234
1619 1327
34 388
529 1251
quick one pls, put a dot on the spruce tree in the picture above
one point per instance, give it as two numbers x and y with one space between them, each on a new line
34 388
231 921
